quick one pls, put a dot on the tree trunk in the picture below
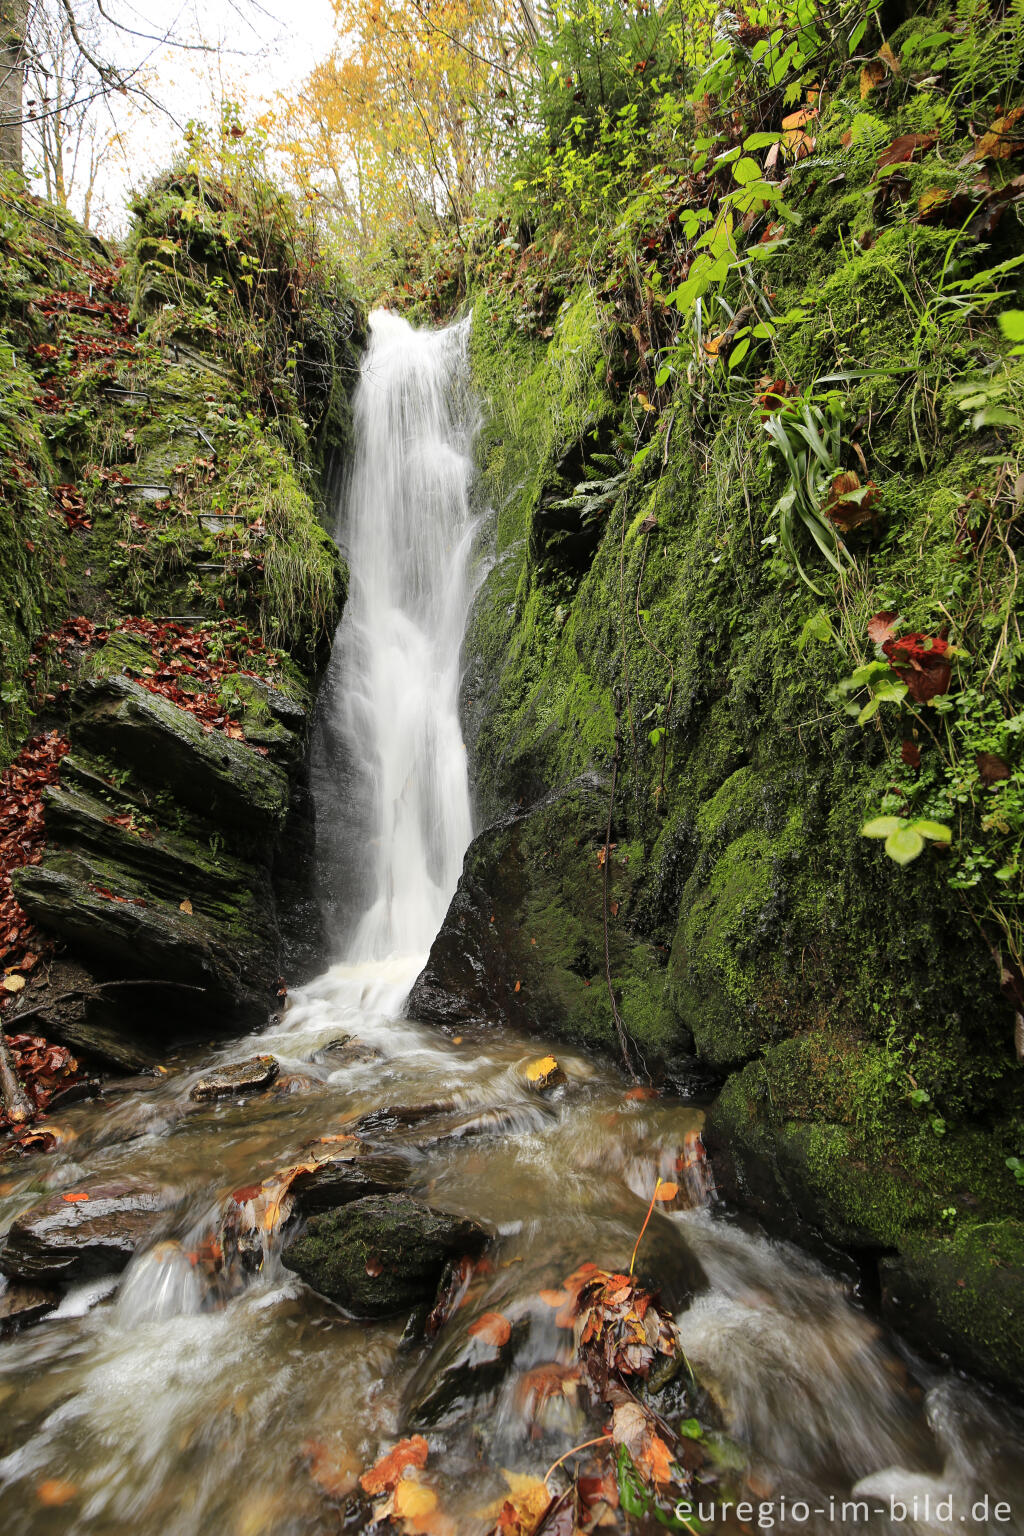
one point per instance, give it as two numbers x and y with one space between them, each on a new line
13 22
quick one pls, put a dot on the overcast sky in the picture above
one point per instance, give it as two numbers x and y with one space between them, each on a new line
268 46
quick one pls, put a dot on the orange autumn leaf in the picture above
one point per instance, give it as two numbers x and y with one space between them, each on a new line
74 1199
385 1475
54 1492
641 1093
492 1328
554 1299
666 1192
657 1458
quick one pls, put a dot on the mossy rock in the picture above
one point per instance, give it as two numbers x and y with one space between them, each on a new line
168 748
963 1292
380 1255
523 940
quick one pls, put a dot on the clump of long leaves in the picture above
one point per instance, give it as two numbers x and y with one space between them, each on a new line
806 442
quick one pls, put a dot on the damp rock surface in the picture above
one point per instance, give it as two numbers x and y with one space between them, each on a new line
80 1234
247 1076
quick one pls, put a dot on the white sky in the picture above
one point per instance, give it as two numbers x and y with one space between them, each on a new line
268 47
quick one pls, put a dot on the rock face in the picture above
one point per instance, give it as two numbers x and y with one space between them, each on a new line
523 939
160 845
86 1233
240 1077
380 1255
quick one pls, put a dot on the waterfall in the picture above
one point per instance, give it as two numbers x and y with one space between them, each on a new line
391 716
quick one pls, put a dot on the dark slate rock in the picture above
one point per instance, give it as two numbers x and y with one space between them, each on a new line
380 1255
225 780
23 1305
337 1181
66 1240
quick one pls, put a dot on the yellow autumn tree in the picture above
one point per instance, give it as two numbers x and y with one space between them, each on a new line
407 118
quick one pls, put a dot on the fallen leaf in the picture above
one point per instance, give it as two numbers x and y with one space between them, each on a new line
871 75
74 1199
412 1500
905 147
334 1472
385 1474
1000 142
14 983
492 1328
666 1192
186 907
640 1093
374 1267
910 754
544 1072
880 627
55 1492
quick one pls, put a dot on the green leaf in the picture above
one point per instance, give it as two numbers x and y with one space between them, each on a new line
663 375
1011 323
739 352
904 845
869 671
746 170
691 1429
882 826
935 831
760 141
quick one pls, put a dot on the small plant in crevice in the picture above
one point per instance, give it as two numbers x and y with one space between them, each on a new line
821 499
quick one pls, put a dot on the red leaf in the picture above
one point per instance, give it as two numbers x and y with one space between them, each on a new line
910 753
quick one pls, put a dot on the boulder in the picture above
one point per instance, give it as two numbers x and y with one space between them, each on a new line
83 1233
380 1255
522 942
247 1076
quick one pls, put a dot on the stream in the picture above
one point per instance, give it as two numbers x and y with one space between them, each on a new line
162 1402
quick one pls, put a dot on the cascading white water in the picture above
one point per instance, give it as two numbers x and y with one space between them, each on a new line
408 532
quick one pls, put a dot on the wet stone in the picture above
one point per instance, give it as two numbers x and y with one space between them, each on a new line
23 1305
350 1176
240 1077
380 1255
83 1233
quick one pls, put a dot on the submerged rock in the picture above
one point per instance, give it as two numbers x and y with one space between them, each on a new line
380 1255
247 1076
83 1233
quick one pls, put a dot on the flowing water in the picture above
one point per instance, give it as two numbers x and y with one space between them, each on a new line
167 1402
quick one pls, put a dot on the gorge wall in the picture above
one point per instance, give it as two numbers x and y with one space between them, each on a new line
853 1017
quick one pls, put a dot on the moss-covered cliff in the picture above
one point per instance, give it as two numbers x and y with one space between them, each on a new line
171 420
778 544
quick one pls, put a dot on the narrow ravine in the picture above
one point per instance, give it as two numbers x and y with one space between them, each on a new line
205 1391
